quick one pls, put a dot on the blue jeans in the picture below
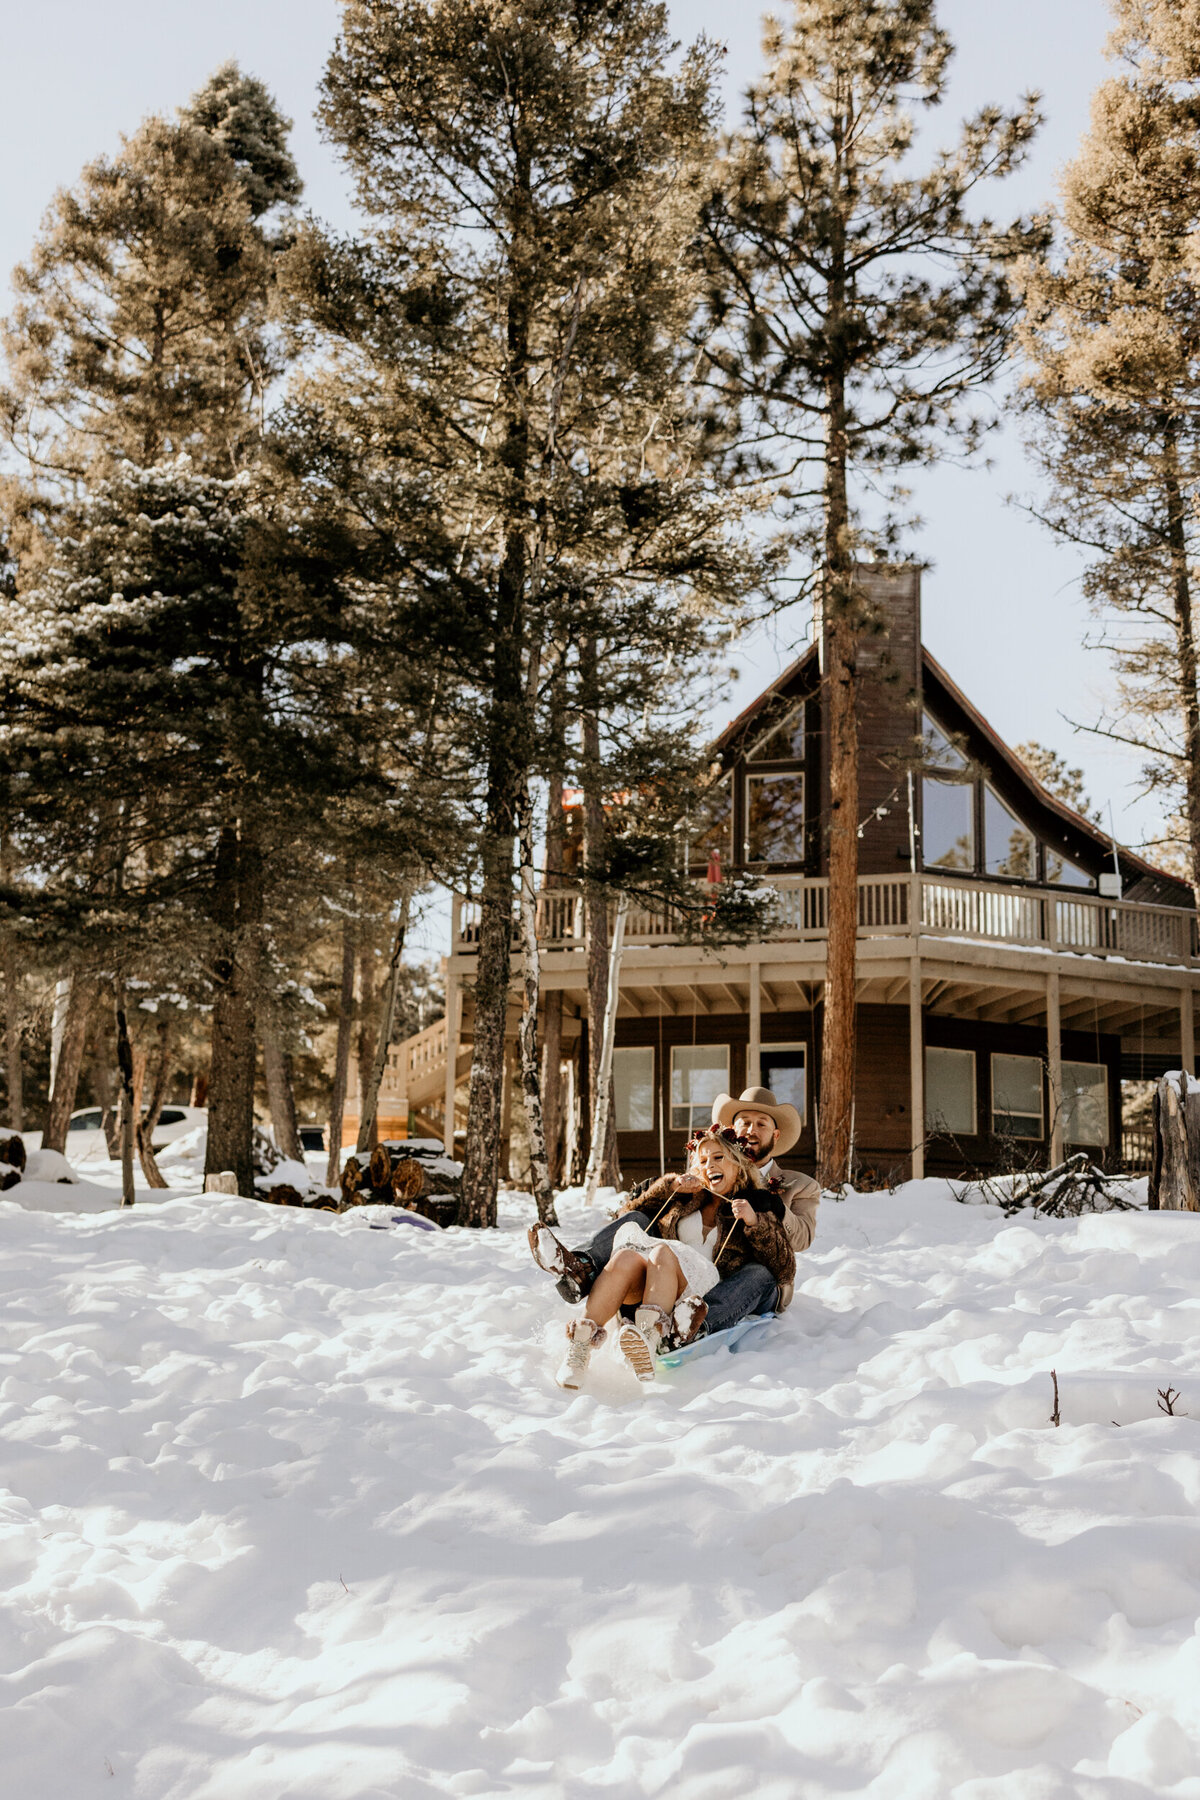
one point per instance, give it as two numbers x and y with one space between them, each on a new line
750 1289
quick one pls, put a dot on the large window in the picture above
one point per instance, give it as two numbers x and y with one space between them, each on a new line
1062 873
948 833
1017 1097
1085 1103
950 1090
775 818
633 1089
784 742
699 1072
1009 848
783 1068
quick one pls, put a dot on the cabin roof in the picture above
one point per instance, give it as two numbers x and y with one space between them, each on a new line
1077 822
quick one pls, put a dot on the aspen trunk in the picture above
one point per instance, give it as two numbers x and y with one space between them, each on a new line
238 913
80 1002
603 1116
277 1076
12 1037
543 1193
553 1117
367 1040
1185 651
596 927
341 1061
1175 1169
552 1086
367 1133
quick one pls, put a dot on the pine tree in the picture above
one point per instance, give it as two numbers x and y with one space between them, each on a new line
1112 334
857 306
510 354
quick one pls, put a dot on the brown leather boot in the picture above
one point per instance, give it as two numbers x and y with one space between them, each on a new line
575 1272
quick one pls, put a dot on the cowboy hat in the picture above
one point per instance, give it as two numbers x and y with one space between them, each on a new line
758 1099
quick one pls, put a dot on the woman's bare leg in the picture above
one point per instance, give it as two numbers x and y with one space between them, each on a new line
622 1282
665 1280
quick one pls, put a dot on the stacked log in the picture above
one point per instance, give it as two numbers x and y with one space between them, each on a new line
1175 1166
393 1176
12 1160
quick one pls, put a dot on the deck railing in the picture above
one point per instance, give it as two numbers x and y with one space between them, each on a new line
950 907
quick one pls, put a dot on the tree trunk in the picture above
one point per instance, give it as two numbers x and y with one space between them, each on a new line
840 647
70 1061
367 1044
341 1060
543 1193
1185 650
12 1036
367 1130
147 1121
1175 1170
603 1118
552 1003
277 1076
127 1106
596 926
238 913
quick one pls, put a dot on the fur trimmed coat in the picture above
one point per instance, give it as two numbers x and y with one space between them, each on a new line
764 1242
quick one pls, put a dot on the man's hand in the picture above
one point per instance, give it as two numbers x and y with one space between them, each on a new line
743 1210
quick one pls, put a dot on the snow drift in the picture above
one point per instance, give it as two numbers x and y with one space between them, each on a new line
291 1509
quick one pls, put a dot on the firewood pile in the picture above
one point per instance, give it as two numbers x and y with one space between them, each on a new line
1064 1192
12 1161
398 1174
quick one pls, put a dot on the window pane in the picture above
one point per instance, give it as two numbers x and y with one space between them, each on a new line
775 818
948 833
784 743
939 751
1065 874
949 1090
699 1072
1010 848
633 1089
783 1071
711 824
1085 1103
1017 1096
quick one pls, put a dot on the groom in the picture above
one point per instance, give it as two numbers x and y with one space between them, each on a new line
770 1127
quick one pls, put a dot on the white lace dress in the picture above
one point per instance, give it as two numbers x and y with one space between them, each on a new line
694 1250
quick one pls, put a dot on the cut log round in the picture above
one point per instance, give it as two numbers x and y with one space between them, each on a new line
284 1194
10 1179
408 1179
380 1166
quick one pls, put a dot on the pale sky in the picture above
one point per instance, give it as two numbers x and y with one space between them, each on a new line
1003 611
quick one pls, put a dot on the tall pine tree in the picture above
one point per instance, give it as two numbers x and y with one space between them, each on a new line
857 305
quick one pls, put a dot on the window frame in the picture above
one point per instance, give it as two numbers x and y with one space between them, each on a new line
951 1130
1085 1143
688 1106
635 1050
1018 1056
765 772
789 1045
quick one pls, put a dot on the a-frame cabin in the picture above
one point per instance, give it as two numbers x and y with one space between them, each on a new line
1013 966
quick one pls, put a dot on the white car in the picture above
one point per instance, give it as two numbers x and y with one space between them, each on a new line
86 1141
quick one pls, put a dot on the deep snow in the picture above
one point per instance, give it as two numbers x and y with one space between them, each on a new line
290 1507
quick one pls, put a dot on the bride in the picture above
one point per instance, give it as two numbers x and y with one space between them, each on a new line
709 1222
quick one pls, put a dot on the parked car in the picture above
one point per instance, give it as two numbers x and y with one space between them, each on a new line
86 1141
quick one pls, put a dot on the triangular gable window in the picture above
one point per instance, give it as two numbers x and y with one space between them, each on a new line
782 741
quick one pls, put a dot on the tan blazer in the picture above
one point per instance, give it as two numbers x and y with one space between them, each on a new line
801 1196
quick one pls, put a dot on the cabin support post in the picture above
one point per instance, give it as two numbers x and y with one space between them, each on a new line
916 1035
1187 1032
453 1016
1054 1068
754 1047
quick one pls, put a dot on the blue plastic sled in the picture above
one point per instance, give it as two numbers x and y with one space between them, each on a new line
747 1334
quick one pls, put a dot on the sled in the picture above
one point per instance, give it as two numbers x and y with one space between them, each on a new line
404 1218
747 1334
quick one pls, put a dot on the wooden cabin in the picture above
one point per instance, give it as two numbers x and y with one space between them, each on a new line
1014 967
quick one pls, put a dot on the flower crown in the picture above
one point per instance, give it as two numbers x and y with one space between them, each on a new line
720 1134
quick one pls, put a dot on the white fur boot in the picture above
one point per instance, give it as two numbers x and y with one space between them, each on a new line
583 1336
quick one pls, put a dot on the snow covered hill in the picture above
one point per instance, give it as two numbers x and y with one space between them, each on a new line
290 1510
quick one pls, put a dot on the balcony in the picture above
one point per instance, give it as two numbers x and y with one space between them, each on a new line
910 905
